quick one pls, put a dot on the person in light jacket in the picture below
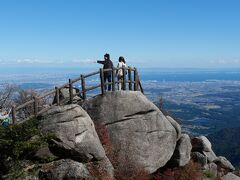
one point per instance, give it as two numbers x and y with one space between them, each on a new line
120 66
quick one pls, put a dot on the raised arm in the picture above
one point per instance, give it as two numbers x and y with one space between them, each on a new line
101 62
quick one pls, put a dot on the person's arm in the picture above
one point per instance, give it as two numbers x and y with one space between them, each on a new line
101 62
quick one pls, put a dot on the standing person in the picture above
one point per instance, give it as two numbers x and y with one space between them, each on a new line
107 64
120 66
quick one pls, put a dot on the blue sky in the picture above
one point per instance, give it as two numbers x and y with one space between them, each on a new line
148 33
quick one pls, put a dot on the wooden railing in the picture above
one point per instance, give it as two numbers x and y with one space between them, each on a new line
132 82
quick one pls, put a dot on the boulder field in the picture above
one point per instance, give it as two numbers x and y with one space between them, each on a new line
128 124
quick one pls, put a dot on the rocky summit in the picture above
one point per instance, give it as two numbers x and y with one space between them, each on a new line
119 135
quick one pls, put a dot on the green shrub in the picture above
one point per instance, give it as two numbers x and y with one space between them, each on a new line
18 143
209 174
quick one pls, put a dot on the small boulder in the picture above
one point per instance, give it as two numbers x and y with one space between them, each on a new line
200 144
182 153
211 156
199 158
64 169
222 162
230 176
203 145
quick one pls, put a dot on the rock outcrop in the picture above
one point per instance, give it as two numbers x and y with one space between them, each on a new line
199 158
75 133
203 145
204 155
136 135
64 169
136 127
222 162
75 142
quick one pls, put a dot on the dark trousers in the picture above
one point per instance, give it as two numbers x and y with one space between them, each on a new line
108 77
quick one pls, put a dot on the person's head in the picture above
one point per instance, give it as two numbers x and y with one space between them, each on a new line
106 56
121 59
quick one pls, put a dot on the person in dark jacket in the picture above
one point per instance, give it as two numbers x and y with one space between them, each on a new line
107 64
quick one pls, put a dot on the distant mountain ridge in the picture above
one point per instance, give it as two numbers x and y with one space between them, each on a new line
226 142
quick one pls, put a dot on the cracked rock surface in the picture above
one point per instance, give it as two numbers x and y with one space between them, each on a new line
137 129
75 133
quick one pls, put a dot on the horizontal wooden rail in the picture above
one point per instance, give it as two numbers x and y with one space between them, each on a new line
115 69
38 109
76 79
92 88
47 94
91 74
63 86
24 105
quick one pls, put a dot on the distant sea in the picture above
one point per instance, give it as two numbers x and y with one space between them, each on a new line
55 75
191 75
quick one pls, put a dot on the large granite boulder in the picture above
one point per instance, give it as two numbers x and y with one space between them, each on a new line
182 153
74 131
136 127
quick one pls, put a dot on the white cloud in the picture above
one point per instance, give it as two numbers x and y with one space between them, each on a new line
83 61
236 61
3 61
225 61
33 61
222 61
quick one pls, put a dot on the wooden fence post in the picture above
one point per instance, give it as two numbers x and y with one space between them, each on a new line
57 95
35 105
14 115
70 91
124 78
135 79
102 81
113 80
139 84
83 87
130 78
